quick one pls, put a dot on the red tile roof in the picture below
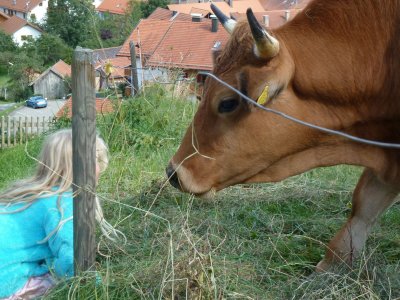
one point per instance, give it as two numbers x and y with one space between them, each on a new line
103 106
239 6
276 17
188 45
118 65
147 34
105 53
62 68
3 17
20 5
114 6
13 24
166 14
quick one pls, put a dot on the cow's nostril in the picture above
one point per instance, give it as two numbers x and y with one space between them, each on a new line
172 177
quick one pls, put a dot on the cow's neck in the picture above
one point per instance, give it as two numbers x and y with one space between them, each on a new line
311 148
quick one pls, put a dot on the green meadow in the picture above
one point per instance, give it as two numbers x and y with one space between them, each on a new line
250 242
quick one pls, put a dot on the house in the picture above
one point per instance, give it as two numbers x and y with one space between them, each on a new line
146 37
238 6
283 4
116 7
51 83
271 19
188 46
20 29
30 10
184 38
103 106
167 50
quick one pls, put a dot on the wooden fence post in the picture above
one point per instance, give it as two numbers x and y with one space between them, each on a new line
31 127
13 131
134 75
2 132
26 130
84 158
8 132
20 131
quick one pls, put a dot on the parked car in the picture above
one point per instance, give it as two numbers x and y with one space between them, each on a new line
36 102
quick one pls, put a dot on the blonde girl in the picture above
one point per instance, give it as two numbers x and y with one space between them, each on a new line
36 228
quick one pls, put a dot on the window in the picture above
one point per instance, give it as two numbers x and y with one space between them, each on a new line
25 37
41 4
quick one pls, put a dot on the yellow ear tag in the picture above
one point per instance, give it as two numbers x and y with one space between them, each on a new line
264 96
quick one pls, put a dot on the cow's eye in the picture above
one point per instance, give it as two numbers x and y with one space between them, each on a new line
228 105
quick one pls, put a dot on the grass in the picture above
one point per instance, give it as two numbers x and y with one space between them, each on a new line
251 242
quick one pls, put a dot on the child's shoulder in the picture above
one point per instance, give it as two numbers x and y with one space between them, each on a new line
54 199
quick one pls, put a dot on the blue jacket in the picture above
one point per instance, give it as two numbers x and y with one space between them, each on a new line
21 256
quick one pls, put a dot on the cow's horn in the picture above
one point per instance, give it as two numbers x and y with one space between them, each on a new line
228 23
266 45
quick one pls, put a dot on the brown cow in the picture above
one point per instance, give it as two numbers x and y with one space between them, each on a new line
335 65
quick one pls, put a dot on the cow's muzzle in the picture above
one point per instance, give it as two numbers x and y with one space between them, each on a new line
173 176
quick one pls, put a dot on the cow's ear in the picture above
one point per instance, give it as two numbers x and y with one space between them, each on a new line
215 55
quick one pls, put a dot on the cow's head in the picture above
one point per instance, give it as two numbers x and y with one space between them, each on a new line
230 141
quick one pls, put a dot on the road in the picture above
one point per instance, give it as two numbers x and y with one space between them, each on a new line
6 106
53 106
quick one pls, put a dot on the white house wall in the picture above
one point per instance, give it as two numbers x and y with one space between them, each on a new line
150 74
25 31
39 12
96 3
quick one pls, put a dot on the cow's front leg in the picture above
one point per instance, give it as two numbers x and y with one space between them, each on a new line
370 199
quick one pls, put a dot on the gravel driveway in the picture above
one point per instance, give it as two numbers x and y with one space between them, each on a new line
53 106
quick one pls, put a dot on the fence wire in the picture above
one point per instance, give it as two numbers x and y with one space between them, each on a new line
307 124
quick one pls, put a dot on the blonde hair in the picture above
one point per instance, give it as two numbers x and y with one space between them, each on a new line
54 169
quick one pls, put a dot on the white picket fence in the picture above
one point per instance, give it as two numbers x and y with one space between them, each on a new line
18 130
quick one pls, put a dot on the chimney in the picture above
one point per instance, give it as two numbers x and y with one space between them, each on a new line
196 17
266 20
214 23
287 15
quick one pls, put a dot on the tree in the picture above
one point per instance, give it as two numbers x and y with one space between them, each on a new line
147 7
21 71
51 48
110 30
7 43
71 20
